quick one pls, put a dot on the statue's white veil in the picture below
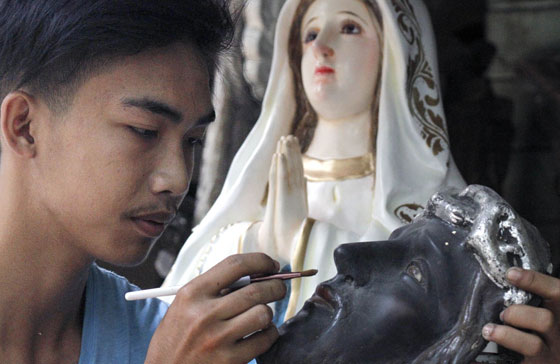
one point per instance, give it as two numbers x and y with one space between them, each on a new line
412 153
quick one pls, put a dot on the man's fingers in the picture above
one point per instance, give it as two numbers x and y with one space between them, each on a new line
257 343
223 274
540 284
242 300
256 318
537 319
524 343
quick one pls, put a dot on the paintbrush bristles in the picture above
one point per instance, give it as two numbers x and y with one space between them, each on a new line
285 275
309 273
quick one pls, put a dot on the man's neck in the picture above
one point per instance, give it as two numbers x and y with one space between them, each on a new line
42 283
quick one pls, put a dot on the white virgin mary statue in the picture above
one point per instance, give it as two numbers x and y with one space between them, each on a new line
351 141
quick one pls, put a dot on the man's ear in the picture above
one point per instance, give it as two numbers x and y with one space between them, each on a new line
15 120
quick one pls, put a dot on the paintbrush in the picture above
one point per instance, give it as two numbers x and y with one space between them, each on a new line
241 282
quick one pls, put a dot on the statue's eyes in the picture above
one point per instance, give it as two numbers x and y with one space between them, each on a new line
415 272
351 28
310 36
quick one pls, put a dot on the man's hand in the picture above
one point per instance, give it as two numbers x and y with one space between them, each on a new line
540 343
204 326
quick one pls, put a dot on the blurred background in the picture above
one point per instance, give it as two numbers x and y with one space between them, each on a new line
499 63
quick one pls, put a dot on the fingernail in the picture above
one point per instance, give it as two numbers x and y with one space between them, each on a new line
514 274
502 316
487 331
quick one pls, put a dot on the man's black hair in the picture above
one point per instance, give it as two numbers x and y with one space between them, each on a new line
49 47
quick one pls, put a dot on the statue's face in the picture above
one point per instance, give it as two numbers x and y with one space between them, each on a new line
389 301
341 55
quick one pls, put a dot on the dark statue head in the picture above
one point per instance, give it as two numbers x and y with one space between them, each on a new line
424 295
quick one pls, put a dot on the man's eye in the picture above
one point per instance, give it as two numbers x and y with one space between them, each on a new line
144 133
310 36
196 136
351 28
195 141
415 272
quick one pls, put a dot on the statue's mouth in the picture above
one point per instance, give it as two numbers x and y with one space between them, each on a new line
325 297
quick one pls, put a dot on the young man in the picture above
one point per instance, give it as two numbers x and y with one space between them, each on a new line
103 102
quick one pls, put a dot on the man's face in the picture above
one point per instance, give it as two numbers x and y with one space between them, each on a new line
112 170
388 302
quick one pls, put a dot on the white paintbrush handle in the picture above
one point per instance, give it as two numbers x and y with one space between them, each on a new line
241 282
151 293
171 291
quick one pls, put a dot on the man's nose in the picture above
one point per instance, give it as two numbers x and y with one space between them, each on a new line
173 173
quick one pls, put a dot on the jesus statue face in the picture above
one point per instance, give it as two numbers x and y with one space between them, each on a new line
424 294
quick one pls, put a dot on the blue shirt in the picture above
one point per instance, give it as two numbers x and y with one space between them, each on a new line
116 331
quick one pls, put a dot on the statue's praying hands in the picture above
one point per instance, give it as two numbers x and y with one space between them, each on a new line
286 206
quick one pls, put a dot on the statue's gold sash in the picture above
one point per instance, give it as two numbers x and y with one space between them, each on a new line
318 170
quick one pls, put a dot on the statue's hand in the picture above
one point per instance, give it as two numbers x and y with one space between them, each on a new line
286 208
540 342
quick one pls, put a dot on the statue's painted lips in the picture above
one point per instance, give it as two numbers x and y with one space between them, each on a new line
324 298
324 70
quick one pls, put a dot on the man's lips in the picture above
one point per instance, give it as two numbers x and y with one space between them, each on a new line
152 225
324 70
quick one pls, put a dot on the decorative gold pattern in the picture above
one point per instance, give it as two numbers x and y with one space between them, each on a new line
422 91
408 212
297 266
318 170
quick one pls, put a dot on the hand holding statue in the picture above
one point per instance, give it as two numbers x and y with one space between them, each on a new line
541 344
286 206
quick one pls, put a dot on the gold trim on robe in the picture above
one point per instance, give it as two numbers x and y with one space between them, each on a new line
318 170
242 237
297 266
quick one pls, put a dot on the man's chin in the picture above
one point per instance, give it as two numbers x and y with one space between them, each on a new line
133 256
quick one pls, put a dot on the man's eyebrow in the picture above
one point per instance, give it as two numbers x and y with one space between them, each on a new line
206 119
155 107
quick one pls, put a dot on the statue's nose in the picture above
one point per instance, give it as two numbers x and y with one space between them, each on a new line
354 260
359 262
